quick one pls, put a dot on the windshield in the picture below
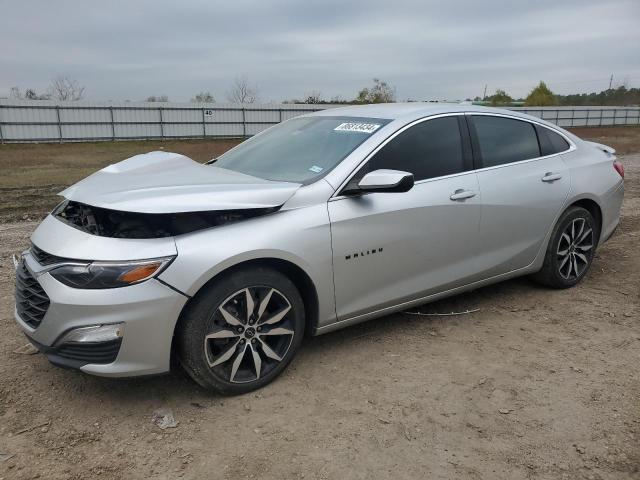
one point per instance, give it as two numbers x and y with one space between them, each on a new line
300 150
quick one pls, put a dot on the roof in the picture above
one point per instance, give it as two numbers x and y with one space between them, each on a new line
410 111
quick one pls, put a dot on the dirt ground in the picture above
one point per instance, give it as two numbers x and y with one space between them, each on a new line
537 384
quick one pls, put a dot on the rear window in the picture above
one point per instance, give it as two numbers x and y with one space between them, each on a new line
505 140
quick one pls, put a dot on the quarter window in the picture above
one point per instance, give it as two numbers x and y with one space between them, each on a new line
558 144
550 141
505 140
429 149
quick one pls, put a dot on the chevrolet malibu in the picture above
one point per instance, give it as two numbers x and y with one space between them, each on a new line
318 223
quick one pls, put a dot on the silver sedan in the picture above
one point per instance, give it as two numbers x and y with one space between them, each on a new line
318 223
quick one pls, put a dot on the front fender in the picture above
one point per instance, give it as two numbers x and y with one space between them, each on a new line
299 236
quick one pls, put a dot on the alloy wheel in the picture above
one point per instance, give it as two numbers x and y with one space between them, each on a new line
574 249
251 332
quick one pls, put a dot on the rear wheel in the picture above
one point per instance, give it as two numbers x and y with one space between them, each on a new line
570 251
242 331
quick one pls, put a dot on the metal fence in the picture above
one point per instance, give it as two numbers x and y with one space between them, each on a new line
46 121
584 116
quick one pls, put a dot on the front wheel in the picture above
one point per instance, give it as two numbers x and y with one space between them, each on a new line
570 251
242 331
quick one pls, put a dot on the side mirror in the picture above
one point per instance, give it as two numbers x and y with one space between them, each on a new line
386 181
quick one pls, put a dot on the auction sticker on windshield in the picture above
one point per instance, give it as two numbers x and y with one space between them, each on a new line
357 127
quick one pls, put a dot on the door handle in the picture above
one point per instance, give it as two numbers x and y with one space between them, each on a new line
461 194
551 177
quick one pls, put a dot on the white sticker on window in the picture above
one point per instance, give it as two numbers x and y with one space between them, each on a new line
316 169
357 127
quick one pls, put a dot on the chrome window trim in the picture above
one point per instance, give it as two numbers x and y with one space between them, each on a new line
572 147
337 196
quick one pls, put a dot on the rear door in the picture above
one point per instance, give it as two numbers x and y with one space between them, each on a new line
524 183
393 247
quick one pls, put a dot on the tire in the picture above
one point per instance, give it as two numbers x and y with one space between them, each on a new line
226 349
570 251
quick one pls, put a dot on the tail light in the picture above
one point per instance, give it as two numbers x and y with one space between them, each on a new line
619 167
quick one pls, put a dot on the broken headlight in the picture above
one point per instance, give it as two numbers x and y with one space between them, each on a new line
109 274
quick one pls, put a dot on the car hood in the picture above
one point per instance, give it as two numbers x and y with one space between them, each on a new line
163 182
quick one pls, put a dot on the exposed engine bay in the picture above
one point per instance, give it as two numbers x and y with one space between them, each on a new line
105 222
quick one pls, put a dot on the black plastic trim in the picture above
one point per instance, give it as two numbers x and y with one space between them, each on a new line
46 258
74 355
32 302
475 144
172 287
467 151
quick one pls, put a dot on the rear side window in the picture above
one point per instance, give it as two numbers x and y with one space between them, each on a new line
504 140
429 149
550 141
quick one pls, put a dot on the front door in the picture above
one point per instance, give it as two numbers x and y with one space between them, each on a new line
394 247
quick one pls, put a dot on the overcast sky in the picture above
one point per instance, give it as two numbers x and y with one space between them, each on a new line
446 49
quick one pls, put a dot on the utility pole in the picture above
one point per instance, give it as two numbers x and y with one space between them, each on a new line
485 92
610 81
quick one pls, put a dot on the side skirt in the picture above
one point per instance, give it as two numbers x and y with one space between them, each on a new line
423 300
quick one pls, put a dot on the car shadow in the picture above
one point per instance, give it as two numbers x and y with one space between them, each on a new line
177 386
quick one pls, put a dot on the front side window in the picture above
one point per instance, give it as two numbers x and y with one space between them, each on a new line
300 150
505 140
429 149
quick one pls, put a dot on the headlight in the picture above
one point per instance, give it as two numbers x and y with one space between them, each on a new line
109 274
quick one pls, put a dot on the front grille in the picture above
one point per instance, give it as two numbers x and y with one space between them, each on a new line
44 258
90 352
31 300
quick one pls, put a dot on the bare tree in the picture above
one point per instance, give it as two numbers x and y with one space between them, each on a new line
157 98
29 94
203 97
314 96
242 92
15 93
66 88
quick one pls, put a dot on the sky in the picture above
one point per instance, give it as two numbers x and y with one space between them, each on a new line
428 50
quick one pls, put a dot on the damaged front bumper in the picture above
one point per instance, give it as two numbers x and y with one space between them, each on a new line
76 327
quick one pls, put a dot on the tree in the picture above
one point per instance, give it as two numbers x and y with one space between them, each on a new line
500 98
203 97
612 96
313 97
541 96
29 94
157 98
242 92
65 89
15 92
380 92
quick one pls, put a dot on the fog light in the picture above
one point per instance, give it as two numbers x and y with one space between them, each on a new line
97 333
